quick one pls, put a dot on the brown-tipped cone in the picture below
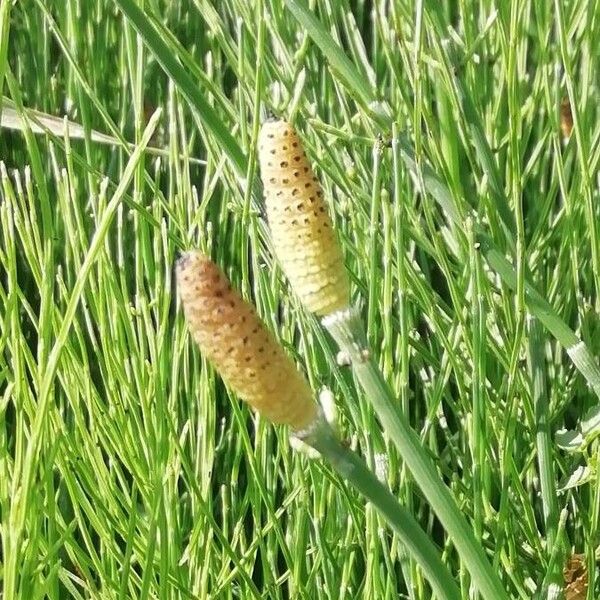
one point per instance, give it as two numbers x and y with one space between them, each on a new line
246 355
566 118
301 229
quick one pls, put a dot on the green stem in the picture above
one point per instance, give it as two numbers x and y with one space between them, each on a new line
543 441
355 471
550 590
479 342
5 6
347 329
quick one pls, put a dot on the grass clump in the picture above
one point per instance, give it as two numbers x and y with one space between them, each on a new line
468 224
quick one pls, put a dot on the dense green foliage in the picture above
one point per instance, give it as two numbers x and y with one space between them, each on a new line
127 470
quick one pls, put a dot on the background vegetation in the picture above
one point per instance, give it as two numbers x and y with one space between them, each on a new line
126 468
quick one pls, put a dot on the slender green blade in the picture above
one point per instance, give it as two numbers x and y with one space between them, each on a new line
44 123
5 6
169 62
335 55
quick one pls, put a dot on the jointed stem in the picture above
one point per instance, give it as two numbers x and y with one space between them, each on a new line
347 329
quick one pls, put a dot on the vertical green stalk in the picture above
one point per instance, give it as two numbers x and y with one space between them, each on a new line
5 6
543 442
251 166
478 384
399 201
374 221
347 329
514 118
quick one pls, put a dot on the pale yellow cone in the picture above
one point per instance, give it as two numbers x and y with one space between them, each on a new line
302 232
245 354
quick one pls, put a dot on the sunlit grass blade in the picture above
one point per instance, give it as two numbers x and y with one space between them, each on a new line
169 62
43 123
341 64
4 34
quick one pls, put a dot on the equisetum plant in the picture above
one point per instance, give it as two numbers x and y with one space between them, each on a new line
306 247
255 366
